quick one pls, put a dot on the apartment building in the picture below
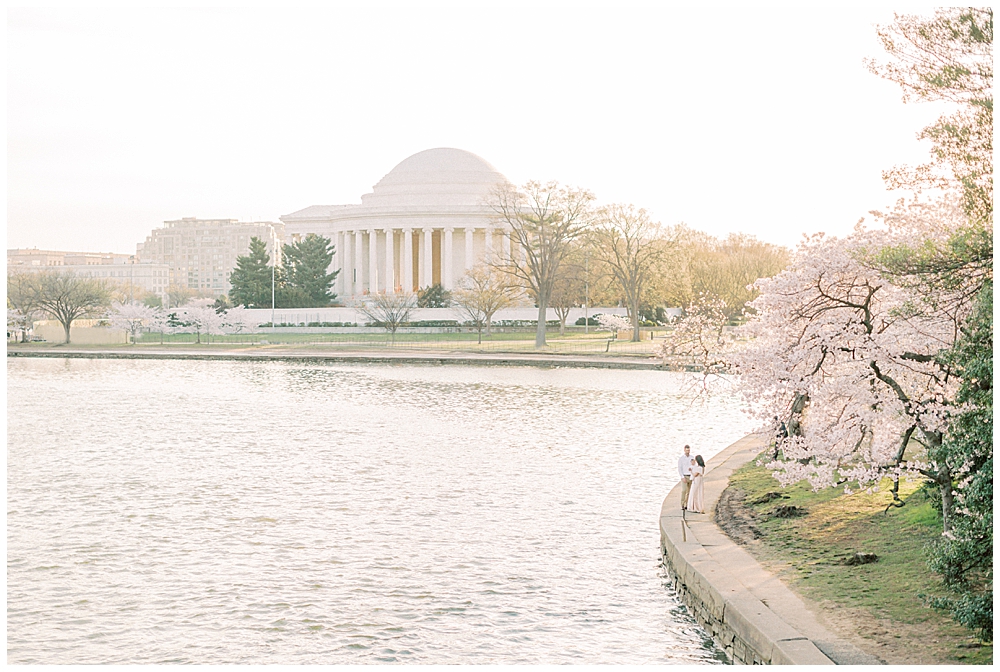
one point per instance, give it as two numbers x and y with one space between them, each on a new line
201 253
134 279
49 258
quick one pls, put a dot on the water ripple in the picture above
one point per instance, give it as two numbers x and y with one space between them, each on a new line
246 512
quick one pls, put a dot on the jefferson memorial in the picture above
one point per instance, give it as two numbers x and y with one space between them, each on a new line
426 222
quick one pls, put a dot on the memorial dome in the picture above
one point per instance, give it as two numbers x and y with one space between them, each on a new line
428 221
436 177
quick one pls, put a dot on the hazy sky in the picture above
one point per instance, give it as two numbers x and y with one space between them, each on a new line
762 120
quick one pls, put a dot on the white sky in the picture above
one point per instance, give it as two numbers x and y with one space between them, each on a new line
761 120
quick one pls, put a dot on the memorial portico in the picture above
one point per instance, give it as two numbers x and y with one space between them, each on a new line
428 221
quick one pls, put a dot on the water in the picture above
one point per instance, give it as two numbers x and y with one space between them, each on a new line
258 512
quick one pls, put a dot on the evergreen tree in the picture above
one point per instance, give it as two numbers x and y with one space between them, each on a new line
949 57
306 264
251 279
434 296
964 558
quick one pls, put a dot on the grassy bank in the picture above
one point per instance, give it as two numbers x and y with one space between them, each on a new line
878 603
499 342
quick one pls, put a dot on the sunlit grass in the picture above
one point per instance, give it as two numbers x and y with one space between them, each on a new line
574 341
810 552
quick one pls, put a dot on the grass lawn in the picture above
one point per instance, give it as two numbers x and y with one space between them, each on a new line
880 601
500 341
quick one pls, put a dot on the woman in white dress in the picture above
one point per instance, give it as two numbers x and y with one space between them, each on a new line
696 499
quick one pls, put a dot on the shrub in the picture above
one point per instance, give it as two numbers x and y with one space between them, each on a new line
433 323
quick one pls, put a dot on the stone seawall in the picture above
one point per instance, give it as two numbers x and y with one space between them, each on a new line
333 356
748 612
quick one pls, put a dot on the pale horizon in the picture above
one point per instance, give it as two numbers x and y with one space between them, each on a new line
119 120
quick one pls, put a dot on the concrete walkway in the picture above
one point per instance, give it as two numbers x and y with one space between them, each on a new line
731 593
321 353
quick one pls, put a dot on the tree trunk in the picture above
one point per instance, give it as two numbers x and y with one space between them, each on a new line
633 314
947 496
66 326
794 426
540 329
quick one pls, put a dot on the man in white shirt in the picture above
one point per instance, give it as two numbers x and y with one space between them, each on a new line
684 469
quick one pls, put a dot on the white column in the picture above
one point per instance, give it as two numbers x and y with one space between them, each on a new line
417 240
488 232
468 248
446 257
373 261
341 258
359 251
406 267
505 244
390 262
427 263
341 263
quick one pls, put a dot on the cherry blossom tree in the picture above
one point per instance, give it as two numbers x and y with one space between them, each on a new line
701 335
948 57
854 362
876 348
200 317
130 318
160 321
238 320
18 324
21 299
613 323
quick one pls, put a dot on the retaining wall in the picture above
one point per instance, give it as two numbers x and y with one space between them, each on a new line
748 612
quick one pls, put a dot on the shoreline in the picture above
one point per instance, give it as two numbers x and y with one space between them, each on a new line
341 356
747 610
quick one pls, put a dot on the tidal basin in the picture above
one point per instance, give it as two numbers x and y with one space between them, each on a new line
271 512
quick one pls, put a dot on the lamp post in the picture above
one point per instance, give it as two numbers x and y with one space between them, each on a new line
274 265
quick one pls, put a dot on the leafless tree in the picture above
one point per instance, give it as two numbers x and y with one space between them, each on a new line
543 221
630 246
389 311
65 296
483 291
726 270
571 286
178 295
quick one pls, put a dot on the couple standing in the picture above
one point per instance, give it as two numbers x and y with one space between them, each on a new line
692 471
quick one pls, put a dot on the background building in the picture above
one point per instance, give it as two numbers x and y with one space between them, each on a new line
201 253
133 278
36 257
426 222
